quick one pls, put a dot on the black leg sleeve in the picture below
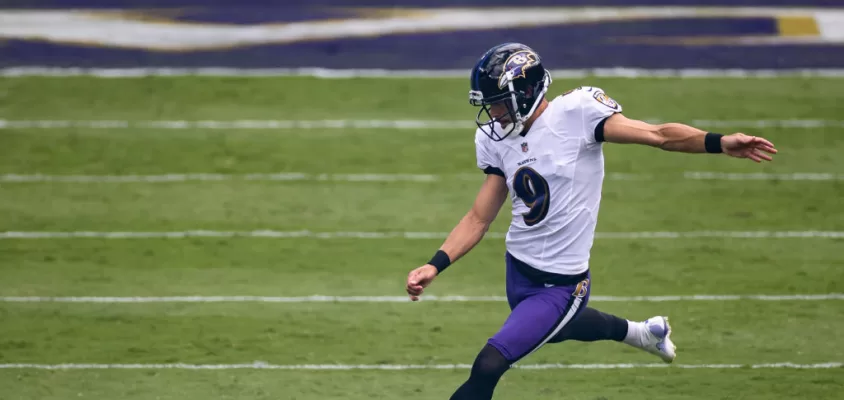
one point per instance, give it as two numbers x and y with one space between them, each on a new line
592 325
488 368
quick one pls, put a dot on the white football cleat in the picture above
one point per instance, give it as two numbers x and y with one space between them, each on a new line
658 339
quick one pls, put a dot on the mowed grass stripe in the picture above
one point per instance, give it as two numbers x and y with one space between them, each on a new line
405 367
117 125
393 333
353 267
405 299
239 152
627 206
660 384
233 98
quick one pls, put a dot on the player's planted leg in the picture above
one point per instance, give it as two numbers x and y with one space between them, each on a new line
488 368
652 335
539 312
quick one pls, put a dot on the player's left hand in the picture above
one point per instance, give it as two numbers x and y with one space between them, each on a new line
755 148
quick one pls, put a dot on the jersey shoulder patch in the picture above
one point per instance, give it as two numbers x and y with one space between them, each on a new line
602 98
581 111
596 93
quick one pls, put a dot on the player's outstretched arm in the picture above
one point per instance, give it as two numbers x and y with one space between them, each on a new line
686 139
468 232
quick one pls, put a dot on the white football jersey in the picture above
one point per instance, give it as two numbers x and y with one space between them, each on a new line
555 174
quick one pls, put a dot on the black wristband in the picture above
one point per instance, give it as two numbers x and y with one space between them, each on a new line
440 260
712 142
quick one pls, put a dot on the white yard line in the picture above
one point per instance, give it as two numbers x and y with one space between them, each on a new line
404 299
328 73
760 176
202 177
389 177
403 235
236 124
365 124
402 367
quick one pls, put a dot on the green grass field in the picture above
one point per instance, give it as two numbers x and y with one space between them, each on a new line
715 332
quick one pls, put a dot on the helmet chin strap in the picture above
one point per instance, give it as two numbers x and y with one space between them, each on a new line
519 120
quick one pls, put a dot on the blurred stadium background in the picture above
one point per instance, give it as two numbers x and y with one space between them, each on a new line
219 199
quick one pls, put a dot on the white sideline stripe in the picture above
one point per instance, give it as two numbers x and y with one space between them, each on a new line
401 367
328 73
402 299
404 235
363 124
731 176
380 177
237 124
287 176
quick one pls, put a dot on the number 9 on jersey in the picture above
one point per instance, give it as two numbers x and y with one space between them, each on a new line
532 188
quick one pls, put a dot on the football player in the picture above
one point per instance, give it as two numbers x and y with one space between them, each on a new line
548 157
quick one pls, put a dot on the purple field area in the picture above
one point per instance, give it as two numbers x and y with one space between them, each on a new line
58 4
433 34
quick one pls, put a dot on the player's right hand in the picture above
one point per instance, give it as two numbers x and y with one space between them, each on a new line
419 279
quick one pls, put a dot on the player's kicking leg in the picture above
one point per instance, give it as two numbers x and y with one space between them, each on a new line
652 335
539 314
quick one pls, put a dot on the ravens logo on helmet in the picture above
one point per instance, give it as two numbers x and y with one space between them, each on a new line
508 76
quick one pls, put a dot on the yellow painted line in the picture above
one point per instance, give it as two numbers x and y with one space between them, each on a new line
797 26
